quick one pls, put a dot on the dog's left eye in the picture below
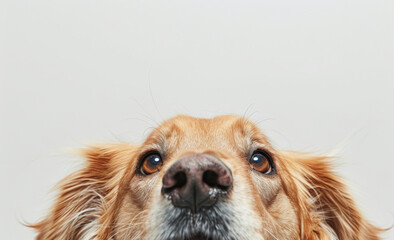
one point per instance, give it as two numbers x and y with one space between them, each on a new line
261 161
151 163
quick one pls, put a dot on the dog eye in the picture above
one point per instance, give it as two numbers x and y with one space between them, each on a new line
151 163
261 161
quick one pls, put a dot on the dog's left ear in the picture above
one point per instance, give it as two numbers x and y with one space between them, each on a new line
325 208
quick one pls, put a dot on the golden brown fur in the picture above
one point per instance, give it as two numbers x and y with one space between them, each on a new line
109 199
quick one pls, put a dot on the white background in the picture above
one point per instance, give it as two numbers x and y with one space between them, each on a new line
317 75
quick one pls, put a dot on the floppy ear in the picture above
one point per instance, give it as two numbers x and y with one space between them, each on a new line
88 198
325 208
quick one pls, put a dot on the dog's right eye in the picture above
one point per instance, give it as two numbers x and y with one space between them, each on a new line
151 163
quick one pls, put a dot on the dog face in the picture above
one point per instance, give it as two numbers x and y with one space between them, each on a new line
208 179
200 179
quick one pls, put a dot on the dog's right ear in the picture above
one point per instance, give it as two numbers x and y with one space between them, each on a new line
87 196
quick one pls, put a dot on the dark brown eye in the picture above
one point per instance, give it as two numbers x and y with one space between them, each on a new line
261 162
151 163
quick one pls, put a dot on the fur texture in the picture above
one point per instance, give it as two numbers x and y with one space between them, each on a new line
110 199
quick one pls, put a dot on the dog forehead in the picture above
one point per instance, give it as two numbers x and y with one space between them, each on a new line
203 128
206 133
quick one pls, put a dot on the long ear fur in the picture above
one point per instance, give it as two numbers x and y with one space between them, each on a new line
85 207
326 209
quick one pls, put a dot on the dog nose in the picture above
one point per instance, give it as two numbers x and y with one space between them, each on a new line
197 180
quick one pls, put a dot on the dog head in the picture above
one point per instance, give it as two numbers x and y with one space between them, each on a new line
204 179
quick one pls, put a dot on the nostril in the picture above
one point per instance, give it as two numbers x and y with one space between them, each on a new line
213 180
179 180
210 178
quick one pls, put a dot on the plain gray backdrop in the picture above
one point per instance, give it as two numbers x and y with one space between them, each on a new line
317 76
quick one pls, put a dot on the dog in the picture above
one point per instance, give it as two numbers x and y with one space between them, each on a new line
204 179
